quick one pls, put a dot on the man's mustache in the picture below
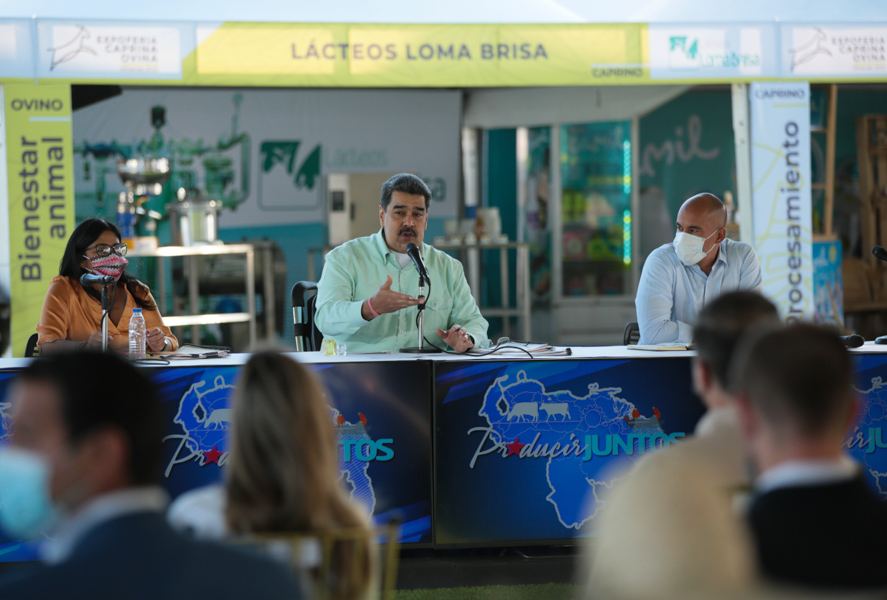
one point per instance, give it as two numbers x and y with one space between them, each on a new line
407 230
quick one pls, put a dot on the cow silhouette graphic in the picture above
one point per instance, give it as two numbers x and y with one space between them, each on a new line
217 417
524 409
556 408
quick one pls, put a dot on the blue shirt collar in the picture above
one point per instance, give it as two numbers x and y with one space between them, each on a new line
722 257
722 252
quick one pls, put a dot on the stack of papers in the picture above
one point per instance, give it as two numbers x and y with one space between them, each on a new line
522 348
193 351
664 347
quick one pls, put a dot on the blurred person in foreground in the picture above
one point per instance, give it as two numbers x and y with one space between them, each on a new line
71 318
815 521
282 474
683 492
680 278
668 535
82 466
716 439
369 285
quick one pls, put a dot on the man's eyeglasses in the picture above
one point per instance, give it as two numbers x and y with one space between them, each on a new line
105 250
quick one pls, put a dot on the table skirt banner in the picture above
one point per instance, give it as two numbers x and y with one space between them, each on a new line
382 412
524 450
865 442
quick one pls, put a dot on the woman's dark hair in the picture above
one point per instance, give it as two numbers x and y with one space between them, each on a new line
83 237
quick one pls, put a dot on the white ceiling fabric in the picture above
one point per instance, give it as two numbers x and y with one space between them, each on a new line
527 107
458 11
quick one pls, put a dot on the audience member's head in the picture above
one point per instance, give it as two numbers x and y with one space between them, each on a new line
717 332
90 422
283 470
794 387
684 544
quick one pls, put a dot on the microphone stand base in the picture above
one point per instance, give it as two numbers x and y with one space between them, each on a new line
423 350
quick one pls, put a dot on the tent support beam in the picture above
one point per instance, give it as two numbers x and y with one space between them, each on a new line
741 140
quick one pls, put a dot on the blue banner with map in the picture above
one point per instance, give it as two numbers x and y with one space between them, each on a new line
523 449
382 413
866 442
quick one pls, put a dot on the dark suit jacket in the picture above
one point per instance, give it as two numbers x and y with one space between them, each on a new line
831 535
140 556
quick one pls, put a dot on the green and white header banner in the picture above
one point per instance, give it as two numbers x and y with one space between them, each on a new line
780 169
436 55
811 51
101 49
726 52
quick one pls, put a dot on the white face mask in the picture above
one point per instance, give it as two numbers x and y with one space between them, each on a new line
689 247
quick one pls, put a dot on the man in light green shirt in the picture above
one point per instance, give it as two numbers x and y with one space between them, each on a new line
369 289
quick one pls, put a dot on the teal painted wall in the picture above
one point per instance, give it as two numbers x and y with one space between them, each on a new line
686 147
500 191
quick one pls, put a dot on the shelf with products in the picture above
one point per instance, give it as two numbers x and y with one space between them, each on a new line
595 212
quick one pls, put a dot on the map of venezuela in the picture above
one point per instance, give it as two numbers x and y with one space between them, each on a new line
866 439
205 415
353 459
571 433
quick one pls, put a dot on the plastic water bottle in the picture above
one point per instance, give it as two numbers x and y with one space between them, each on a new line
137 335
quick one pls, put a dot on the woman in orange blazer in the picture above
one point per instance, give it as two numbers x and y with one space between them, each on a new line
72 313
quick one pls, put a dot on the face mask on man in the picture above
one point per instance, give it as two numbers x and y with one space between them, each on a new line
25 505
689 247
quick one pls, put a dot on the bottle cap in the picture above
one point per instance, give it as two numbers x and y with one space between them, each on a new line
137 310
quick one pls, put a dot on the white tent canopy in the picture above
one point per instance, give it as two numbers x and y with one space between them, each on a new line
458 11
528 107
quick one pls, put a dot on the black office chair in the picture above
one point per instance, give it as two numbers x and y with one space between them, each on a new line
308 336
631 334
31 349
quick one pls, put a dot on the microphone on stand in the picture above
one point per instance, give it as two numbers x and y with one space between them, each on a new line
853 341
413 252
106 280
91 278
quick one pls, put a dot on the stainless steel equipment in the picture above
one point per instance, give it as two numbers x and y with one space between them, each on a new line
144 176
194 219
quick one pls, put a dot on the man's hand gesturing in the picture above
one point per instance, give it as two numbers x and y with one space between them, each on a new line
457 338
387 301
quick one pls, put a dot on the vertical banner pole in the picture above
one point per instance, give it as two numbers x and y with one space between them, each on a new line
780 168
40 183
741 135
